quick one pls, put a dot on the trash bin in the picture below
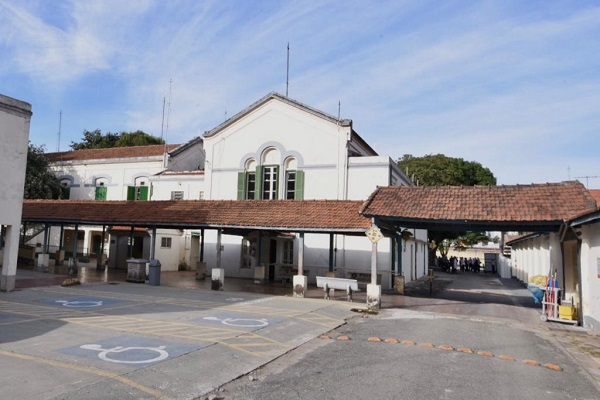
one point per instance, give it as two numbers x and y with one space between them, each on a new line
154 272
136 270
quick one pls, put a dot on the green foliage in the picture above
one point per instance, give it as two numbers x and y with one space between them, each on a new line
40 182
97 140
440 170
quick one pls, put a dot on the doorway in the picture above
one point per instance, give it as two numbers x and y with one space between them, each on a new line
272 258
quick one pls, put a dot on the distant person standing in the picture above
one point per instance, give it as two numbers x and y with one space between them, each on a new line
493 267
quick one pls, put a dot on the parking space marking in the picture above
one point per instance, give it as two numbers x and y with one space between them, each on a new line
251 307
92 371
230 337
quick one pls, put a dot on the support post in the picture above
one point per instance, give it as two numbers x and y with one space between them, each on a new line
331 252
73 262
300 282
202 245
218 274
373 289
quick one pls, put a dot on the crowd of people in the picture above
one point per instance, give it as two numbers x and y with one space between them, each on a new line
464 264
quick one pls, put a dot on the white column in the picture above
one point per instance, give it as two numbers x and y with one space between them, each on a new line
300 282
373 289
9 261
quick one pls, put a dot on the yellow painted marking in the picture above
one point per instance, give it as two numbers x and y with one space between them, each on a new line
553 367
506 358
87 370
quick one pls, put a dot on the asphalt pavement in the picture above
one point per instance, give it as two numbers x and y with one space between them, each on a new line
463 337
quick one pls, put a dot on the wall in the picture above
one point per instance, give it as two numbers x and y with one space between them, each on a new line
590 276
15 117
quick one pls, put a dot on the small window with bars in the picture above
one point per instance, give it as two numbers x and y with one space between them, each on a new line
177 195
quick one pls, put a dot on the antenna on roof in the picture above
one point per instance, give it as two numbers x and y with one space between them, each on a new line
587 179
339 109
287 77
59 129
162 124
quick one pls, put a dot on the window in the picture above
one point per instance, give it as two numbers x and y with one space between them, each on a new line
101 192
137 193
66 189
294 180
250 185
201 195
177 195
288 252
165 242
269 183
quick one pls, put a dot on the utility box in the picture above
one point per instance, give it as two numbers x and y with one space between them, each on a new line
136 270
154 273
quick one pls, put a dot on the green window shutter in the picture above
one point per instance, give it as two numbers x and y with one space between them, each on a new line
143 192
259 182
241 187
130 192
299 189
101 192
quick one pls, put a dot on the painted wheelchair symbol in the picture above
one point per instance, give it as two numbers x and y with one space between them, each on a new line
241 322
104 353
80 303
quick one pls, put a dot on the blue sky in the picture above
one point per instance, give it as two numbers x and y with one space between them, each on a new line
514 85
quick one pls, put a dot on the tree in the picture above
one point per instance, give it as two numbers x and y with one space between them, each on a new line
440 170
40 182
97 140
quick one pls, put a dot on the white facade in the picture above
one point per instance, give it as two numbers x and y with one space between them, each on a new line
590 274
15 117
282 135
573 257
275 149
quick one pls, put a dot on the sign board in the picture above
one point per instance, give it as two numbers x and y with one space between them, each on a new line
374 234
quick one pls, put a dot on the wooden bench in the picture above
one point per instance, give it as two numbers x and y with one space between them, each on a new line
349 285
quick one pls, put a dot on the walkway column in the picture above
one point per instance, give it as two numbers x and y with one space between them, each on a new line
100 258
373 289
300 281
330 272
218 273
73 262
9 259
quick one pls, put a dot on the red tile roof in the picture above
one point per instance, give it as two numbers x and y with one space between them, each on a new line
112 152
520 203
595 193
291 215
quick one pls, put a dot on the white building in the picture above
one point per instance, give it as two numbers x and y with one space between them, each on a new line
572 255
15 117
275 149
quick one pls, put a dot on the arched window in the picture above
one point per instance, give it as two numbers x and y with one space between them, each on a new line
270 174
294 180
101 189
140 190
247 181
66 187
